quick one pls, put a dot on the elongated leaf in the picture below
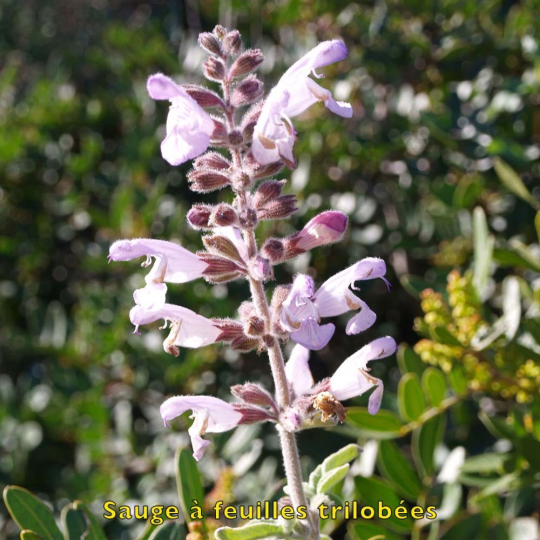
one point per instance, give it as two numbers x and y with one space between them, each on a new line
373 491
95 531
383 425
331 478
251 531
466 529
451 499
458 380
537 225
511 300
341 457
409 361
169 531
365 530
442 335
29 535
411 399
30 513
188 481
396 468
514 183
525 253
148 530
74 522
489 462
414 285
425 440
434 384
483 251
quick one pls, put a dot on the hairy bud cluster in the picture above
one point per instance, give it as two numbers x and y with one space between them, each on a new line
233 333
247 92
203 96
254 395
220 269
246 63
207 180
270 204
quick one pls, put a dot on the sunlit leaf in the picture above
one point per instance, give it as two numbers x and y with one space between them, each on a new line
396 468
411 399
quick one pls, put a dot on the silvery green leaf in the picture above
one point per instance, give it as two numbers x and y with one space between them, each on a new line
330 479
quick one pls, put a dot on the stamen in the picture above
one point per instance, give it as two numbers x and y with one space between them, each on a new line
147 262
317 75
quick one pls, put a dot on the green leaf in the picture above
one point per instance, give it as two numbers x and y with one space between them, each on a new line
148 530
498 427
414 285
443 335
525 254
511 257
508 482
169 531
424 442
74 522
514 183
94 528
188 481
466 529
337 459
341 457
29 535
251 531
483 251
396 467
30 513
411 399
373 490
468 191
487 463
365 530
331 478
451 499
409 361
458 380
537 225
383 425
434 384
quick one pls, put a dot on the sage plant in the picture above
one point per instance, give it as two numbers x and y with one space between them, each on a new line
252 149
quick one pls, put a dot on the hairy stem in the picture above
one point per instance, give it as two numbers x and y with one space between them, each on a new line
289 448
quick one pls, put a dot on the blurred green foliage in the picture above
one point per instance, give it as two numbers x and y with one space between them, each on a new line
438 171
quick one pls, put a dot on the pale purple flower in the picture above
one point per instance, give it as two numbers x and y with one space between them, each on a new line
189 126
295 92
303 308
211 415
173 263
188 329
325 228
351 379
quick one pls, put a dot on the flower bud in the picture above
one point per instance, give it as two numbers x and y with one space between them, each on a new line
203 96
220 135
248 91
232 42
250 120
222 246
214 69
281 208
235 137
248 218
247 62
212 160
254 327
273 250
220 269
219 31
253 394
206 180
325 228
268 191
241 180
223 215
230 329
245 344
210 43
260 268
246 310
199 216
253 415
262 171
